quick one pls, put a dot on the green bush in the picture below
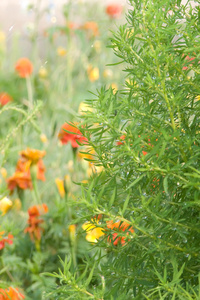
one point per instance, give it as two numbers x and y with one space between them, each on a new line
146 138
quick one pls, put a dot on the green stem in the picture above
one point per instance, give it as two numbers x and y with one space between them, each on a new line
29 91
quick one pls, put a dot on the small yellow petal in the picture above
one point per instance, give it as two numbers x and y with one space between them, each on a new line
60 185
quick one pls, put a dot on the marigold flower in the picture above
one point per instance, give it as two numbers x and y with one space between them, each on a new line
21 180
5 240
24 67
73 136
93 73
60 185
91 27
5 205
5 98
33 154
114 10
119 227
93 233
11 294
34 229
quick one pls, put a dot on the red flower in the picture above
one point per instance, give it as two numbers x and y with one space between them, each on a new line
5 98
188 59
5 240
121 141
11 294
24 67
74 136
119 227
114 10
21 180
34 229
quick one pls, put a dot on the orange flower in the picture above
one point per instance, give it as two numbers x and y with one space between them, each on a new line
118 227
21 180
114 10
5 239
5 98
24 67
91 27
74 135
33 154
34 222
11 294
121 141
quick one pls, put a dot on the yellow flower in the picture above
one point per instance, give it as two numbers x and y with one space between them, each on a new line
93 233
43 138
60 185
114 87
61 51
93 73
5 205
107 73
83 108
97 45
43 72
17 204
3 172
2 37
197 98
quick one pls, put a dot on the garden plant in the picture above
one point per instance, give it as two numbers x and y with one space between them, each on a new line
116 213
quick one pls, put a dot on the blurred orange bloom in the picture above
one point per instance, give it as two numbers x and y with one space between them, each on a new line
34 222
91 27
5 240
5 98
33 155
21 180
118 227
24 67
11 294
121 141
74 135
114 10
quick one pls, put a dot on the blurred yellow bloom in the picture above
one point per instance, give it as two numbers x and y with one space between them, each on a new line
43 72
3 172
84 107
72 232
107 73
93 73
114 87
17 204
61 51
43 138
197 98
97 45
5 205
93 233
94 169
60 186
2 37
70 166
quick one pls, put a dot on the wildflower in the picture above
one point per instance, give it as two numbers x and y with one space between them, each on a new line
5 240
93 233
121 141
34 229
83 108
43 138
93 73
3 172
119 227
43 73
97 45
5 98
11 294
5 205
74 135
114 87
33 155
24 67
92 28
61 51
114 10
60 185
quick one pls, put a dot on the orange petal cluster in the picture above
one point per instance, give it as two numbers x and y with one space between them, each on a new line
119 227
91 27
5 98
22 175
11 294
34 229
24 67
73 136
114 10
5 240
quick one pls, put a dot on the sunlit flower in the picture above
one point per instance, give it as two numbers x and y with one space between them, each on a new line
5 239
5 205
73 136
34 229
118 228
93 233
11 294
61 51
84 107
114 10
24 67
5 98
93 73
21 180
91 27
60 186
